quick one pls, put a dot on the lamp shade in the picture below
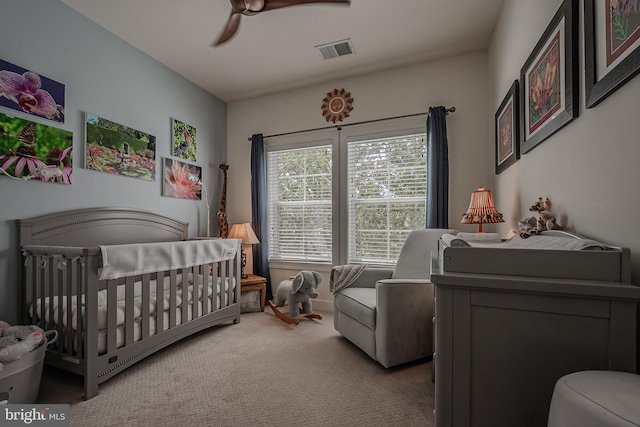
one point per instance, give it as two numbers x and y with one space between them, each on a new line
481 210
243 232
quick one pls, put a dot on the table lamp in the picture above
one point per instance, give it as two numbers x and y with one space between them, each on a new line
245 233
481 210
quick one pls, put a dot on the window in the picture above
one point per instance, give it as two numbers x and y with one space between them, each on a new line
300 204
346 197
386 196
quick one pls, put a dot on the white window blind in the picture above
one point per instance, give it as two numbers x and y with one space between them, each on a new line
299 204
386 194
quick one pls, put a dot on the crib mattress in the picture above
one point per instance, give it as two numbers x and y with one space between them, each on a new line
184 292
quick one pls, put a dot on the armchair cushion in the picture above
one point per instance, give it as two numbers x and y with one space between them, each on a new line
359 303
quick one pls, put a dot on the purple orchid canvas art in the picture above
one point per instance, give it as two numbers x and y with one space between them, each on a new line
30 92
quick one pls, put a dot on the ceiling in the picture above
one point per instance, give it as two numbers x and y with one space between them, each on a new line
274 51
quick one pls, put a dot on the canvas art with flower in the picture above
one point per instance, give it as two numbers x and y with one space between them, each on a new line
29 92
176 180
26 147
119 150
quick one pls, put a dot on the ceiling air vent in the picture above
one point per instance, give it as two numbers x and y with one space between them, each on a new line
336 49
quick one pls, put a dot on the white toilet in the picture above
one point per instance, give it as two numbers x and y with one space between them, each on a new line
596 399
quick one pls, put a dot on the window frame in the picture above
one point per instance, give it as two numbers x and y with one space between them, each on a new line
338 138
307 140
384 129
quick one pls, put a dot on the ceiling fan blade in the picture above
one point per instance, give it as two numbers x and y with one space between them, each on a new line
277 4
238 5
229 30
253 7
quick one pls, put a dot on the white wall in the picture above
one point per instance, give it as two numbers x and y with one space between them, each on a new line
589 169
105 76
454 82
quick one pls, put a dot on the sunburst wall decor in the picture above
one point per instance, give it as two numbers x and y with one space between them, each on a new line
337 105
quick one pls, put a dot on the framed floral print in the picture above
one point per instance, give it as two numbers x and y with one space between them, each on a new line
612 46
506 122
549 79
181 180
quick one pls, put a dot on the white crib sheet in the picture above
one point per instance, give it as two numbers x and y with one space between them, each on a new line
137 309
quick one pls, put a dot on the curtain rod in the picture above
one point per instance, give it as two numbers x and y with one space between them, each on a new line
339 127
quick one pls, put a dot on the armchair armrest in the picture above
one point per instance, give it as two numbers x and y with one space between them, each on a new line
369 277
404 328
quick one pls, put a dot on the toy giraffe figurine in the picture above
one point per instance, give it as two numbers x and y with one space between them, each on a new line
223 225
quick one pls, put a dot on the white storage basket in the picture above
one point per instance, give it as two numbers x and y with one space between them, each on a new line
20 379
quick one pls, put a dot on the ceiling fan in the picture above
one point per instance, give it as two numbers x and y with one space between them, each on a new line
253 7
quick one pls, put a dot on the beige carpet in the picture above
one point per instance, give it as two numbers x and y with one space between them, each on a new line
258 372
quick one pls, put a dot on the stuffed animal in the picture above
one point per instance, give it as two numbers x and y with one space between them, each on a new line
546 220
15 341
300 290
528 227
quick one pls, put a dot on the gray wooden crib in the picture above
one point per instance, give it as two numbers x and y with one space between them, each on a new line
108 322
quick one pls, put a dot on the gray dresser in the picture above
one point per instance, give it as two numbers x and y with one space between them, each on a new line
503 340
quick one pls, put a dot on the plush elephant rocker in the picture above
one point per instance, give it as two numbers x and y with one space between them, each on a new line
298 291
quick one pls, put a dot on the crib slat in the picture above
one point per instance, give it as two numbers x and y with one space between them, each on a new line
204 270
112 315
81 292
185 296
40 291
196 292
58 284
215 277
159 302
221 284
172 299
128 310
30 290
50 321
144 306
67 342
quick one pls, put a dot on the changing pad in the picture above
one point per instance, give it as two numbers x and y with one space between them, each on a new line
541 241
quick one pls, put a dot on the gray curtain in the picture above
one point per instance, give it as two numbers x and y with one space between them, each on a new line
259 210
437 169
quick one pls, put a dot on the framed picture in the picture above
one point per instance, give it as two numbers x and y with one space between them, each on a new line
181 180
612 46
549 79
26 146
119 150
507 147
183 140
27 91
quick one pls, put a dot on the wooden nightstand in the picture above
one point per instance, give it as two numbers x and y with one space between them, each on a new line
255 283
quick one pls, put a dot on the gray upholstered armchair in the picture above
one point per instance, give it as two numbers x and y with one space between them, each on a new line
388 313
